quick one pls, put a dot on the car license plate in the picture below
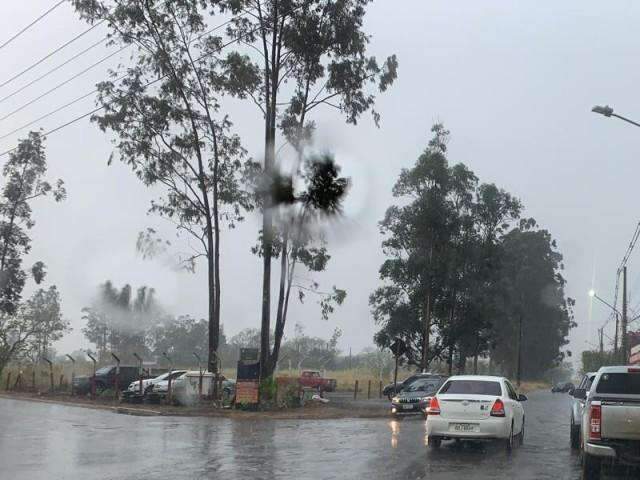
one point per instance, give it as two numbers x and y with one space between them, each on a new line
464 427
407 407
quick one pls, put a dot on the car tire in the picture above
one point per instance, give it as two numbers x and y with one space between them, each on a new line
574 435
435 442
591 467
509 441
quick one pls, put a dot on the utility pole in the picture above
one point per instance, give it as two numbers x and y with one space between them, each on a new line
615 337
600 334
519 371
623 340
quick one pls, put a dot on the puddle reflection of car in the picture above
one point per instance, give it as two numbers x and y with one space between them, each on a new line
415 398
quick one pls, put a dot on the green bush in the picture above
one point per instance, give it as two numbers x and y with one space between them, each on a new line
592 360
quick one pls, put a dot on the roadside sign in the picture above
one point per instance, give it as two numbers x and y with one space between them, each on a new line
247 391
249 355
398 347
248 377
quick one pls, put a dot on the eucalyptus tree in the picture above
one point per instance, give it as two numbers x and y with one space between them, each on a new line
165 111
416 233
303 54
24 181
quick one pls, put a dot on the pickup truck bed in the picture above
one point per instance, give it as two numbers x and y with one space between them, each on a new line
611 420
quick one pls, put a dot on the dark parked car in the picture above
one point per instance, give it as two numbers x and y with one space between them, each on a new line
415 398
105 379
389 391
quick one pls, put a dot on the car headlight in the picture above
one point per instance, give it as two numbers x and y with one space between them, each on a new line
395 400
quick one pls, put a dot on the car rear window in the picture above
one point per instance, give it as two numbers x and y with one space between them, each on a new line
472 387
619 383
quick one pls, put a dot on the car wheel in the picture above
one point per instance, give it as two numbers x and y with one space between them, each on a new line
575 435
435 442
509 442
591 467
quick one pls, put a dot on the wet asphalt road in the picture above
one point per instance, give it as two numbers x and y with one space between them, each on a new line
46 441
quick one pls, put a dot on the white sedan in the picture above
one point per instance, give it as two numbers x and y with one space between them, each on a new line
476 407
134 387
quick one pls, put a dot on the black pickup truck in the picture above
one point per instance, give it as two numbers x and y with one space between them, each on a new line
105 379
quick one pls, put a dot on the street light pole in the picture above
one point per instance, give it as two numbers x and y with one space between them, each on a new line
607 111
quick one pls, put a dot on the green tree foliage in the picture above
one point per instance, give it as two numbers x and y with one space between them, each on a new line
166 115
592 360
181 338
24 181
29 333
302 351
44 309
310 53
459 277
119 322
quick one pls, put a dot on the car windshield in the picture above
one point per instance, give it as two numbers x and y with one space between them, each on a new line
103 370
424 385
472 387
619 383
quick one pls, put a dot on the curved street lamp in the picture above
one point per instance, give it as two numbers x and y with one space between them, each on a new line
607 111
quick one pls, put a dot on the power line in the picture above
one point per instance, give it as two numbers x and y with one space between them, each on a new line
7 42
6 97
76 119
50 54
47 115
53 89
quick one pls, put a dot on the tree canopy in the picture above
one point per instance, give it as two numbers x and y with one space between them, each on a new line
464 275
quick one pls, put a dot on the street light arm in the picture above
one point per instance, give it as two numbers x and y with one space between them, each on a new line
625 119
607 111
594 295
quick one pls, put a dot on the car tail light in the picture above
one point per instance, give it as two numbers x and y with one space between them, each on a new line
498 409
434 407
595 422
633 370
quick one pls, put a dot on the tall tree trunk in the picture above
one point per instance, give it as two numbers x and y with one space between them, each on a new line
450 360
280 315
424 364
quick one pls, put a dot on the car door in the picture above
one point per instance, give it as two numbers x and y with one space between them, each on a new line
516 407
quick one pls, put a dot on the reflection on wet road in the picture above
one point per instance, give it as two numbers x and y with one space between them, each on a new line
44 441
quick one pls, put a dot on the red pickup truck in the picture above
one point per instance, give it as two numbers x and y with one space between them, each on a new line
313 379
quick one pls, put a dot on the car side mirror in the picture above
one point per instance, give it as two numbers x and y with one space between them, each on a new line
580 393
522 398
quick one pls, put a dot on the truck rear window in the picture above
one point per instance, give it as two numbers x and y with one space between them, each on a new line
472 387
619 383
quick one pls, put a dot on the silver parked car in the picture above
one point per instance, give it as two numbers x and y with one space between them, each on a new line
577 406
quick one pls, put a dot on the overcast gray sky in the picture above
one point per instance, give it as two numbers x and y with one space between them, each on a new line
514 81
